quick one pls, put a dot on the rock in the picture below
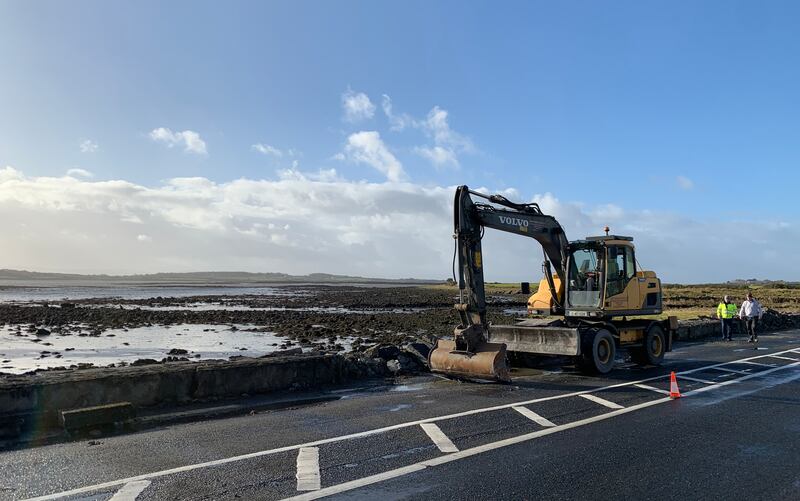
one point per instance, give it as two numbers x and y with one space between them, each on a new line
177 351
144 361
42 332
394 366
385 351
282 353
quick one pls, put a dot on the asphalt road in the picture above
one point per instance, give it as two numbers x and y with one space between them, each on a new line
735 434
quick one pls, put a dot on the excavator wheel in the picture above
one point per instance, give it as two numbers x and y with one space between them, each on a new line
597 352
654 346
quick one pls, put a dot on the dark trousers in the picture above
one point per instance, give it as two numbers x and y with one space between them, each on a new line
727 328
750 324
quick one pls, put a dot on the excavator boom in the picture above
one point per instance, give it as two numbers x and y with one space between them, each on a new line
470 353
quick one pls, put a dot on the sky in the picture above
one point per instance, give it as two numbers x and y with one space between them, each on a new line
312 136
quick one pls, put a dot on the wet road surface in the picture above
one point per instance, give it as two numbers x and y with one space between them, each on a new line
550 434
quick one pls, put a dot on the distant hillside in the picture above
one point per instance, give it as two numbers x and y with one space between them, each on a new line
21 277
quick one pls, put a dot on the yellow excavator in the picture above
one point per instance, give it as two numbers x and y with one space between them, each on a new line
582 311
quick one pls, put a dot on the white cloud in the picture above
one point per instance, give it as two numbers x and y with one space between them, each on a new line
357 106
79 173
267 150
438 156
685 183
447 143
191 141
396 122
367 147
309 222
437 126
88 146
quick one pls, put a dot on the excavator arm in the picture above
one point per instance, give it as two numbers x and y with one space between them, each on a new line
470 354
470 219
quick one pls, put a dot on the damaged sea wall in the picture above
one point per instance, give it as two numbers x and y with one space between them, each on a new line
36 400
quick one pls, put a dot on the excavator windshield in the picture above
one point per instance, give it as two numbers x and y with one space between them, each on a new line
584 284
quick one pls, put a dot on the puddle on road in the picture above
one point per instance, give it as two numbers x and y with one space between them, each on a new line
22 351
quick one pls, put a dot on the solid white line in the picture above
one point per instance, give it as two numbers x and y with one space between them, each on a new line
533 416
603 401
308 469
130 491
725 369
756 363
651 388
739 379
439 438
374 431
783 358
355 484
698 380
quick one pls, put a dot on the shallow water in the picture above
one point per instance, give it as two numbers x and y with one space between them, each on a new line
23 353
28 294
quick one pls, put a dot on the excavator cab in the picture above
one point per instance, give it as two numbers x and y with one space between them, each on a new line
602 282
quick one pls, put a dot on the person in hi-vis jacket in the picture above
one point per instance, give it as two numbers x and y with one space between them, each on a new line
726 311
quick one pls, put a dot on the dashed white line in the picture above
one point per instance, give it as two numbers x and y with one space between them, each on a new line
439 438
602 401
130 491
361 482
375 431
698 380
652 388
308 469
533 416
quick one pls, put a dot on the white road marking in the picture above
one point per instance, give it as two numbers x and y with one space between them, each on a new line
783 358
740 379
756 363
376 431
602 401
439 438
698 380
130 491
732 371
651 388
355 484
533 416
308 469
361 482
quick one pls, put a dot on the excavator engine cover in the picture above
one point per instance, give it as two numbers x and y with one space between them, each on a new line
488 361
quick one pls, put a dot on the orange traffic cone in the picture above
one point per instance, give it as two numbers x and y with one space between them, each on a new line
674 392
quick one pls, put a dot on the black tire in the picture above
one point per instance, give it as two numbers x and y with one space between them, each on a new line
655 345
598 352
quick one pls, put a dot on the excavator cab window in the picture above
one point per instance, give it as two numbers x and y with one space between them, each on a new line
621 268
584 278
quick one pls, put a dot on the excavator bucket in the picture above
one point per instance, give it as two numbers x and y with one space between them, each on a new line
488 361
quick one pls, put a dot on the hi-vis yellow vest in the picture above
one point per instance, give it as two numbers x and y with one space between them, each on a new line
726 311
